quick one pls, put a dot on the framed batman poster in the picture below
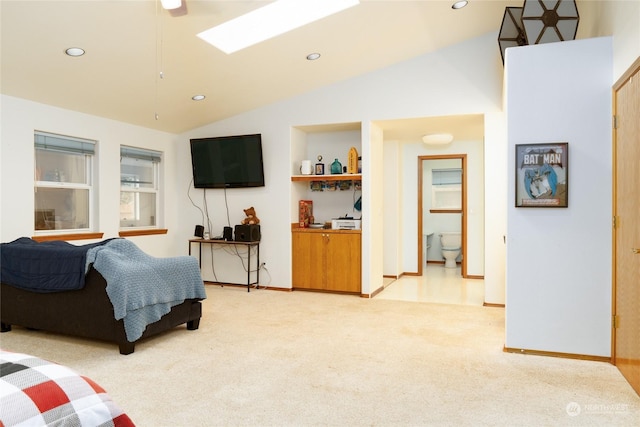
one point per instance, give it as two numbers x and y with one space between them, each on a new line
542 175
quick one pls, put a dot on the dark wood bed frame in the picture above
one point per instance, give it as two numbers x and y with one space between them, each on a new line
84 313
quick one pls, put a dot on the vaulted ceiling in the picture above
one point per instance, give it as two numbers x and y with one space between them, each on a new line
143 63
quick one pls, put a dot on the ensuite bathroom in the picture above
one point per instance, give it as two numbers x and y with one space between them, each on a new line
441 280
442 212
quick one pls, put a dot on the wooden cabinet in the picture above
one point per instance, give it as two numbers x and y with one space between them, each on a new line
328 260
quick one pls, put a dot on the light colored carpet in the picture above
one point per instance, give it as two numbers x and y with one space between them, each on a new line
270 358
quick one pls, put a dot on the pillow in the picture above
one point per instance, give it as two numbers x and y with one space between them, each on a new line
37 392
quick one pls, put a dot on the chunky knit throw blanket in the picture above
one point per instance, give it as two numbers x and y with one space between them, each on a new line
143 288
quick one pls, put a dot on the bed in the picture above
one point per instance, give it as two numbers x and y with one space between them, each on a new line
37 392
110 290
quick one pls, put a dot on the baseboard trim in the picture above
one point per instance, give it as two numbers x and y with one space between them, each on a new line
381 288
557 354
325 291
253 286
372 294
490 304
274 288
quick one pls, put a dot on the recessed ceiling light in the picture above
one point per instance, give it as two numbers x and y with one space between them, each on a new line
74 51
313 56
459 4
198 97
269 21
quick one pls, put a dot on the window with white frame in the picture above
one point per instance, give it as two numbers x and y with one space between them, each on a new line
139 187
446 189
63 184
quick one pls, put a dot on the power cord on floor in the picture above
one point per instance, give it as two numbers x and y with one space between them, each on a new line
263 266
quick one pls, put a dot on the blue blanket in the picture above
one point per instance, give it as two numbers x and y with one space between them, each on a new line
53 266
143 288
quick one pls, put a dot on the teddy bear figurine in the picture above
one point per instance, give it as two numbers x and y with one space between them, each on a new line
251 217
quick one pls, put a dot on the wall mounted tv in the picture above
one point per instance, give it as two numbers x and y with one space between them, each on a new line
227 161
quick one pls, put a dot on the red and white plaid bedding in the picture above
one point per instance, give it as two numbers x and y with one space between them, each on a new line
35 392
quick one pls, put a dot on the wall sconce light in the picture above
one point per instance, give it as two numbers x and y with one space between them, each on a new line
544 24
437 138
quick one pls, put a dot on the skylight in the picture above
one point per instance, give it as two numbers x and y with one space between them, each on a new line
269 21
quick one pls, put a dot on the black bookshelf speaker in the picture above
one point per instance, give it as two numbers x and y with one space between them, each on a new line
227 234
247 233
199 232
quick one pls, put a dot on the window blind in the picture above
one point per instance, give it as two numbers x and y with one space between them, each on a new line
140 154
67 144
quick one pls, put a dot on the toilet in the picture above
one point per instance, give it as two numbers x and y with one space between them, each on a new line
451 242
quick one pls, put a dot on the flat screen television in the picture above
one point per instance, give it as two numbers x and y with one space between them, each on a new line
227 161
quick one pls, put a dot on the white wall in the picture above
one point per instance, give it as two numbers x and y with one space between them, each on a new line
559 259
392 193
462 79
496 176
373 208
620 18
20 118
625 25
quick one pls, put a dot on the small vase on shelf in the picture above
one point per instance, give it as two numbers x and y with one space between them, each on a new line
336 167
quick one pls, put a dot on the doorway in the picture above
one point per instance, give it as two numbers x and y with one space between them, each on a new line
626 231
460 159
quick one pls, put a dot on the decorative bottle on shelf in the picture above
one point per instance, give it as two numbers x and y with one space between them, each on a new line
352 161
319 166
336 167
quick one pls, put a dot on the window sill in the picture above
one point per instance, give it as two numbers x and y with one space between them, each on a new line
445 210
66 237
149 232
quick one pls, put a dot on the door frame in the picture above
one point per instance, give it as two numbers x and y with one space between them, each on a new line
634 69
463 216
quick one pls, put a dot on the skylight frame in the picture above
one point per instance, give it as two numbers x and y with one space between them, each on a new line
270 21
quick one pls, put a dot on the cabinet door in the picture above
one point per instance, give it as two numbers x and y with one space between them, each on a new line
307 260
343 269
